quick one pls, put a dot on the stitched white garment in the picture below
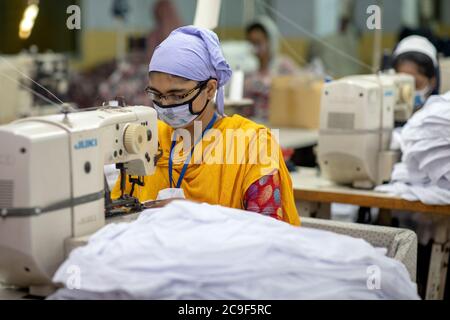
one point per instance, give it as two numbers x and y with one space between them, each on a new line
423 175
199 251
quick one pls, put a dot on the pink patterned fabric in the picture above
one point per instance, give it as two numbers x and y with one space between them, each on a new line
264 196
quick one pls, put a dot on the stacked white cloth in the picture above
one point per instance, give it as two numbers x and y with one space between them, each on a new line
199 251
424 173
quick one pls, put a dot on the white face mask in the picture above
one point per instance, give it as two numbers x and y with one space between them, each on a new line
179 115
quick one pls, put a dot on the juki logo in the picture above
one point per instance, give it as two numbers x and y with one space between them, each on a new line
85 144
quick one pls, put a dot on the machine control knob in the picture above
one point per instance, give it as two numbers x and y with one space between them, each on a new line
406 93
134 138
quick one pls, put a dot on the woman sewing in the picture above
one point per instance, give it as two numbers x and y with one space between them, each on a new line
187 71
417 56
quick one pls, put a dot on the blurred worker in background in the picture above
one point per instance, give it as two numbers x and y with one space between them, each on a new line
343 59
264 36
129 76
125 78
166 20
417 56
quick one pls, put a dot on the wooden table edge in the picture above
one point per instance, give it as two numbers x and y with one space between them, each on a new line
369 201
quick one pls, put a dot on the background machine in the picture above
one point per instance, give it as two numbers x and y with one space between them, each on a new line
358 114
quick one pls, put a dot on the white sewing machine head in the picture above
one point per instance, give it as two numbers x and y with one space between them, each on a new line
52 182
356 123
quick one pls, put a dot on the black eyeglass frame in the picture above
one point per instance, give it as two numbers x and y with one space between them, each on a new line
201 85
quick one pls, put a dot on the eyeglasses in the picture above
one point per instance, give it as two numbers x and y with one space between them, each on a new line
174 98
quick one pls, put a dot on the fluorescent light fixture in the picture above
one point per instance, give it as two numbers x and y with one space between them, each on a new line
207 14
27 23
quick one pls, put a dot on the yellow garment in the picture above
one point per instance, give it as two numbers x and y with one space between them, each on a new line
218 183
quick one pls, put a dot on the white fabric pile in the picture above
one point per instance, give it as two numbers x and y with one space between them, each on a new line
424 173
199 251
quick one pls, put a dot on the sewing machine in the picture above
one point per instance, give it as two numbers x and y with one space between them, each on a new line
16 87
356 122
16 100
52 185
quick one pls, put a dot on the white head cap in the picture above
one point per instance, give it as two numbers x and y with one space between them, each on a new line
417 44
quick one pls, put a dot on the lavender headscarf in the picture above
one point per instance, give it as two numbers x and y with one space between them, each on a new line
193 53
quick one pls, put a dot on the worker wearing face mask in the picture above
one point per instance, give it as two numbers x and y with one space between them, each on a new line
417 56
264 36
186 77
